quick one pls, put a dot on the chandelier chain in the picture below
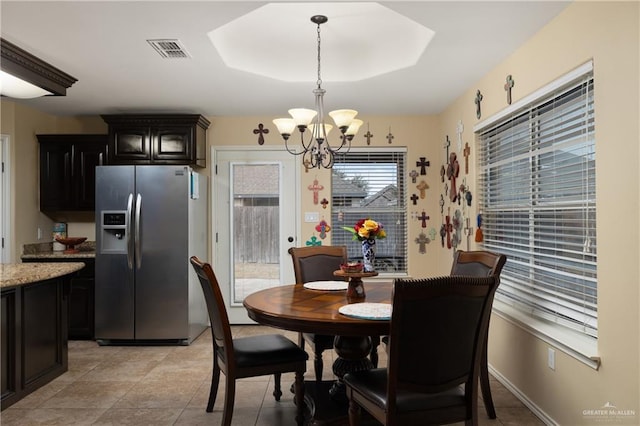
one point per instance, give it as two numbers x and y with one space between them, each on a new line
319 82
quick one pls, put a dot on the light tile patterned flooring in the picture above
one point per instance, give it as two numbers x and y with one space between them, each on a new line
169 385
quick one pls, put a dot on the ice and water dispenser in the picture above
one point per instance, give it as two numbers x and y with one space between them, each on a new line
113 232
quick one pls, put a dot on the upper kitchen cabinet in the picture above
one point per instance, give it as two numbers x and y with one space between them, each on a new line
68 170
173 139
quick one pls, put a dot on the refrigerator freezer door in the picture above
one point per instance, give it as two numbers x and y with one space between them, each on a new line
162 299
114 291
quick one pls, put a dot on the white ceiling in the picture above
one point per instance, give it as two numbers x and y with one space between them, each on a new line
103 45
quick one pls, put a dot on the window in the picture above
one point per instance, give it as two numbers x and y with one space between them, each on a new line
538 202
370 183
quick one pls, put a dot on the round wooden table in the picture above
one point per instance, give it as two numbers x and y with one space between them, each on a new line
295 308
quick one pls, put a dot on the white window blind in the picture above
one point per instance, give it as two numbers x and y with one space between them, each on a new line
370 183
538 203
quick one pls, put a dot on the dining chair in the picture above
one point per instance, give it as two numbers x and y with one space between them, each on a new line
438 327
480 263
247 356
317 263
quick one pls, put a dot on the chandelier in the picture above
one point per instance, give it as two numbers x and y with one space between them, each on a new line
317 151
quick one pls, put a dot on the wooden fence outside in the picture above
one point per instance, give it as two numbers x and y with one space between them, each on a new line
257 232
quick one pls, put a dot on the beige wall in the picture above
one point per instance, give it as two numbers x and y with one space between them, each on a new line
606 32
22 124
416 133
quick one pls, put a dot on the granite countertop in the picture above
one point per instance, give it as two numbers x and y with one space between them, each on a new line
14 274
45 251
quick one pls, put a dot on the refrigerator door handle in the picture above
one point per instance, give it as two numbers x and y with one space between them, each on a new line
128 231
138 226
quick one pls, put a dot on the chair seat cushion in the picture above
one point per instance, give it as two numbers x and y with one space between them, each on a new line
265 350
372 384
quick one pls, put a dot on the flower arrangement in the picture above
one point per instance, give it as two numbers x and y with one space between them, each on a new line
366 229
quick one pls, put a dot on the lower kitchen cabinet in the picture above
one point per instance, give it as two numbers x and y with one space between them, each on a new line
81 298
34 337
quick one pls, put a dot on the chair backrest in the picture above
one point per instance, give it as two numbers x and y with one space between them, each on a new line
478 263
317 263
438 327
220 327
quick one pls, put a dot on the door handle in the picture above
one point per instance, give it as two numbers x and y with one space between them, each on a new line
128 230
138 233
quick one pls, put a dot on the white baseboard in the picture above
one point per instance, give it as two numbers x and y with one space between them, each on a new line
523 398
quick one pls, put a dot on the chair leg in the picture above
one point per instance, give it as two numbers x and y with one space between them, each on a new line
354 413
299 397
229 398
318 365
375 342
277 392
484 384
213 392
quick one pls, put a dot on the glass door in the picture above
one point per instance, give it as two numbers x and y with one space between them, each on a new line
255 216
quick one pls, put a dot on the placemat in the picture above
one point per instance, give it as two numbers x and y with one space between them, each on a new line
365 310
326 285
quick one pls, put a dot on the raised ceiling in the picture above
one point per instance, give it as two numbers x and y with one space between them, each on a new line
391 58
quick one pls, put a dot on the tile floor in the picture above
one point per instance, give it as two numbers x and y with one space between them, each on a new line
169 385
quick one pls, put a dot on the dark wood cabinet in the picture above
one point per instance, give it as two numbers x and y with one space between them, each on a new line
34 337
172 139
68 169
81 301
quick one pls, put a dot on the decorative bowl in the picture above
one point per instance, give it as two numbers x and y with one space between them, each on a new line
71 242
352 267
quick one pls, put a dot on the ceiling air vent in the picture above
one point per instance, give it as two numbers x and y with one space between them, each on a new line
169 48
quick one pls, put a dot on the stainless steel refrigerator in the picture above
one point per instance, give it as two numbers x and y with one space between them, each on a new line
149 221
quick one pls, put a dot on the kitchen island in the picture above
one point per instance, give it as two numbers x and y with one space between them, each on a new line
33 314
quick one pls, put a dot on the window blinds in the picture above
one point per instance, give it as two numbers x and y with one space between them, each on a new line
370 184
538 204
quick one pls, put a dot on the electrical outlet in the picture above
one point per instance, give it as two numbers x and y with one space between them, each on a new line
551 358
311 217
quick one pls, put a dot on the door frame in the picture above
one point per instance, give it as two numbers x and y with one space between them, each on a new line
216 224
6 248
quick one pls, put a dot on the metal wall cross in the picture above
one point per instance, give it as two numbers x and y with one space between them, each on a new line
260 131
423 164
423 217
508 86
477 100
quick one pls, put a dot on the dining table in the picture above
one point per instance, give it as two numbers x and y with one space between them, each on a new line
313 309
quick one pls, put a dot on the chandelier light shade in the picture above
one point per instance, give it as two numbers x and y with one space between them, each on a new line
317 152
23 76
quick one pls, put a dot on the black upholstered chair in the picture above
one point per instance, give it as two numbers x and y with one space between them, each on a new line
317 263
438 327
480 263
247 356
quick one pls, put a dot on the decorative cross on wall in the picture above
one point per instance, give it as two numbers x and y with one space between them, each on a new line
422 187
368 135
414 198
390 136
446 144
260 131
468 230
477 100
423 217
423 164
466 152
422 240
459 130
316 187
413 175
324 203
508 86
